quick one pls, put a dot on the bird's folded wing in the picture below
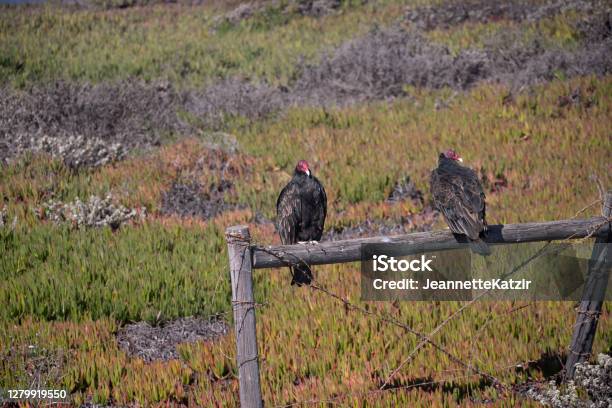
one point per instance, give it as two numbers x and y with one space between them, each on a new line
287 212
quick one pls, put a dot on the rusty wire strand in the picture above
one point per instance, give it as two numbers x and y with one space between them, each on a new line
425 339
315 285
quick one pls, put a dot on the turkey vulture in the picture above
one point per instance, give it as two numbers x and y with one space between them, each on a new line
300 215
458 195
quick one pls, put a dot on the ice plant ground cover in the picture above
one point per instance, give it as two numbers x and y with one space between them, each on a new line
199 118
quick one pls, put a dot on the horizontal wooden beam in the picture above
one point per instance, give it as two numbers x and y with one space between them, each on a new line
330 252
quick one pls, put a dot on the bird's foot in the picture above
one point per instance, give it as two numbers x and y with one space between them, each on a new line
308 242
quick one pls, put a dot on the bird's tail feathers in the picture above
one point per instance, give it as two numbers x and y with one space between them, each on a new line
478 246
301 275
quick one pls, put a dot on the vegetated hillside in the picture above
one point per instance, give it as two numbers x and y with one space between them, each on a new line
181 120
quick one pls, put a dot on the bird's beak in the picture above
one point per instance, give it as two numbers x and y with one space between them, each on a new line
460 159
308 173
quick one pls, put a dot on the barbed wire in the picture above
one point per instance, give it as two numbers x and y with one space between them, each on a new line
426 339
472 368
316 285
538 254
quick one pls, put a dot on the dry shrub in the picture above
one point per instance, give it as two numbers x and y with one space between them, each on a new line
75 151
448 14
380 64
521 64
254 9
597 28
96 212
242 12
234 97
90 125
131 114
595 379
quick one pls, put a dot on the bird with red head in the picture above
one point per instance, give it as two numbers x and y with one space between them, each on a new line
301 209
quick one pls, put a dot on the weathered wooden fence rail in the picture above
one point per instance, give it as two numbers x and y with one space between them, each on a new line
244 257
331 252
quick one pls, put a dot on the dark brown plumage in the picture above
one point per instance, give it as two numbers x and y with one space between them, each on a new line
458 195
301 209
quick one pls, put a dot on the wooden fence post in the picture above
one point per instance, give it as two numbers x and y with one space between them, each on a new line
243 303
592 298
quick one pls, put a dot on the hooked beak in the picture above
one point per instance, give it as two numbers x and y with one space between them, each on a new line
460 159
308 173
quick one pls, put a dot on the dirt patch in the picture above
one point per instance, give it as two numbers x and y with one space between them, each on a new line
87 125
448 14
41 366
318 8
423 221
203 182
159 342
194 200
405 189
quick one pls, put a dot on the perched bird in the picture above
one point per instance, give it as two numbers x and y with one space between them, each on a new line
300 214
458 195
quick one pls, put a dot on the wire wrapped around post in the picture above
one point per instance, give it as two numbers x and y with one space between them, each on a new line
243 304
